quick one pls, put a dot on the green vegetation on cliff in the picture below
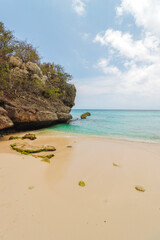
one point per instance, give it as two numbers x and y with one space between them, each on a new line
21 69
32 94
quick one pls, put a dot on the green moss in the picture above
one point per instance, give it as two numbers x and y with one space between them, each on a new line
47 93
13 145
24 152
81 184
14 138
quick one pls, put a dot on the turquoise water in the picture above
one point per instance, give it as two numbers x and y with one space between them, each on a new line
123 124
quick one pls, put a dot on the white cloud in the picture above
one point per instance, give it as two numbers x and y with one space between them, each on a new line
145 12
103 64
79 7
136 77
146 49
139 59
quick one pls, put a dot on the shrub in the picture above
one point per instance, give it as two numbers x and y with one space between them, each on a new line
7 42
47 93
26 52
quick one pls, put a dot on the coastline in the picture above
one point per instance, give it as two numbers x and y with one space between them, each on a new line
43 201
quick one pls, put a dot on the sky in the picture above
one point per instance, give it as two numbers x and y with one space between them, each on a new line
111 47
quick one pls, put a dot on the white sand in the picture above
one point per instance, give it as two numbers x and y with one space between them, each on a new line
41 201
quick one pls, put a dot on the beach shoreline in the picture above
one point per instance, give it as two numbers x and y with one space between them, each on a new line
44 201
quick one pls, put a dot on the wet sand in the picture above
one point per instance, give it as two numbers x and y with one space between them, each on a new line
44 201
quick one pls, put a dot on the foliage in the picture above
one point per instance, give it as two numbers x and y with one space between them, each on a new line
52 70
17 83
48 68
7 42
26 52
47 93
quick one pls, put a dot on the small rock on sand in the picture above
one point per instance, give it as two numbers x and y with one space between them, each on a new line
115 165
81 184
140 188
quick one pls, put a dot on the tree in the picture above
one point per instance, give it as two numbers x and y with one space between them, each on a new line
7 42
26 52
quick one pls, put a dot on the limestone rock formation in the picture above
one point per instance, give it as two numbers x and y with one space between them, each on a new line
15 61
32 100
5 121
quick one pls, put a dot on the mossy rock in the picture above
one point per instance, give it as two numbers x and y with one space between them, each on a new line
26 136
81 184
27 148
30 136
14 138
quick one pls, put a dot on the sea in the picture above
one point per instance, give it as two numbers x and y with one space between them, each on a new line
133 125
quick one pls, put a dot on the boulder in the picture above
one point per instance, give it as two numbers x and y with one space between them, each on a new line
30 136
84 115
27 148
15 61
19 73
34 68
44 79
88 114
64 117
5 121
35 77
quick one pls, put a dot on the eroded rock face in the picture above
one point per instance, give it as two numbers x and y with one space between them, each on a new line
15 61
34 68
23 107
5 121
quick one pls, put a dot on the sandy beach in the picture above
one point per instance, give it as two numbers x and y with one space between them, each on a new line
41 201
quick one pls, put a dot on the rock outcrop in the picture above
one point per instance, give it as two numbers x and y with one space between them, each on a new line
85 115
32 100
5 121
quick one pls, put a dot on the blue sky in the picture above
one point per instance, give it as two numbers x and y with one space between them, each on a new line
111 47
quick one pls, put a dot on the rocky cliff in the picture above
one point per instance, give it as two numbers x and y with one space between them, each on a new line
30 99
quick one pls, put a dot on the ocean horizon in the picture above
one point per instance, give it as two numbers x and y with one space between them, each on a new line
135 125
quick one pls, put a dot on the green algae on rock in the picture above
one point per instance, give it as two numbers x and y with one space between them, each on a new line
81 184
26 136
30 136
25 147
14 138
